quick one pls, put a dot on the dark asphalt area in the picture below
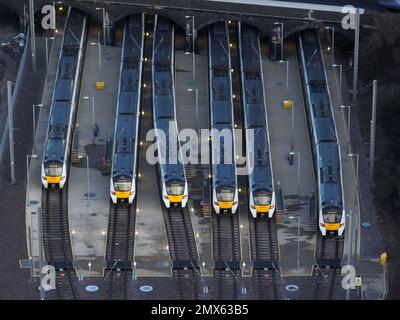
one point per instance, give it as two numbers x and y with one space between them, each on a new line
16 282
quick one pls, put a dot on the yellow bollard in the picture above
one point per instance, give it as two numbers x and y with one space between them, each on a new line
383 258
100 85
287 104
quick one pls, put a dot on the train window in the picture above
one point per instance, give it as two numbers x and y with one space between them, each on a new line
122 185
53 169
332 215
175 188
262 198
225 195
330 174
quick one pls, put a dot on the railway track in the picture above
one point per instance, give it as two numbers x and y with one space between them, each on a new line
226 254
327 271
57 242
183 252
119 250
264 254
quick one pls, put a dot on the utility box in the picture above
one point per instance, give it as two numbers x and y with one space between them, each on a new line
383 258
100 85
287 104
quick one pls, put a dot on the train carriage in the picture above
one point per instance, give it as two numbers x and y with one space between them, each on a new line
174 188
55 162
126 135
324 135
225 190
260 178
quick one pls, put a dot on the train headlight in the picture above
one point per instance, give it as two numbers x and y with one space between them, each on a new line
322 225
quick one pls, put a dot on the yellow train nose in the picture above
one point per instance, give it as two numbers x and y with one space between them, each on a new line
332 226
225 204
262 209
122 194
175 199
53 180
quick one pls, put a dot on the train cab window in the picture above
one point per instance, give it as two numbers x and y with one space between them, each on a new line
53 169
332 215
262 198
175 188
122 184
225 195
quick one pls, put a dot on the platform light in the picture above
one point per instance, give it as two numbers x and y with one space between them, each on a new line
140 175
203 264
244 264
103 233
237 157
209 176
137 210
56 31
73 231
144 85
235 125
197 235
147 34
191 209
234 96
229 21
241 226
167 247
141 143
145 59
240 189
329 48
136 233
230 45
142 113
61 9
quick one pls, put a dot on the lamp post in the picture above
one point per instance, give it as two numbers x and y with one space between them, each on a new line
192 34
348 121
281 36
27 176
99 45
332 39
34 125
93 116
196 91
47 49
87 175
298 240
298 177
104 24
287 74
340 79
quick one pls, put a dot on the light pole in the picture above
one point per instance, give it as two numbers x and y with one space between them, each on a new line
27 175
34 125
87 174
298 177
55 16
332 39
99 45
192 34
47 49
373 130
348 121
281 36
11 132
287 76
104 24
196 91
33 37
298 240
93 116
340 80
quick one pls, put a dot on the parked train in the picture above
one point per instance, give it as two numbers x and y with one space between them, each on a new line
172 173
324 135
59 134
260 179
126 135
225 196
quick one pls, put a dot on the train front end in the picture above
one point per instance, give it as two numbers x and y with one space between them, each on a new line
262 203
175 193
53 174
332 221
225 199
122 189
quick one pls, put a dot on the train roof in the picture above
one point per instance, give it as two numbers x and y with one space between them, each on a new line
163 108
222 113
219 43
134 36
125 133
128 103
123 164
63 90
163 39
73 29
224 175
255 115
261 179
54 150
329 173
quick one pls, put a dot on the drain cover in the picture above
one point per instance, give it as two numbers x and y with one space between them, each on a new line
291 288
146 288
373 295
91 194
34 202
91 288
365 224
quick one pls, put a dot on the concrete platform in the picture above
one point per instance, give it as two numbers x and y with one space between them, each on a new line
280 124
151 245
33 201
88 218
186 117
373 274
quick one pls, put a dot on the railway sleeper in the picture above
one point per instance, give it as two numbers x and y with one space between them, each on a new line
120 265
185 264
222 265
265 264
